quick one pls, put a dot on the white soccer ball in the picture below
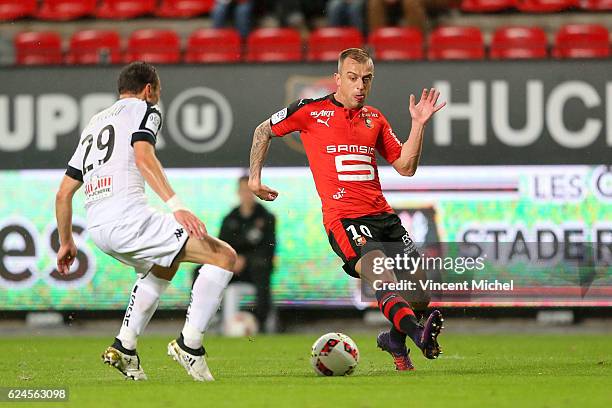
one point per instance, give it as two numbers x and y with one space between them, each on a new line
242 324
334 354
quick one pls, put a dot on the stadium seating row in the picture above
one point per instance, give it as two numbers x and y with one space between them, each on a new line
533 6
62 10
284 44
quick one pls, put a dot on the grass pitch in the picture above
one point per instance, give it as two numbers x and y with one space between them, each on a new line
274 371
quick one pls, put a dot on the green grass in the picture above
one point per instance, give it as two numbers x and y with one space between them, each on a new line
476 371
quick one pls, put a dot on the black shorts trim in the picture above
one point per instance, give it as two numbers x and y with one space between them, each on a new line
180 251
171 263
349 264
385 227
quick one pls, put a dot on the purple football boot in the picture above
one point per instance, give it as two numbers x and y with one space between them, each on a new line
398 351
428 341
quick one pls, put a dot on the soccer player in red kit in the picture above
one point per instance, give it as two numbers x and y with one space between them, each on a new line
341 136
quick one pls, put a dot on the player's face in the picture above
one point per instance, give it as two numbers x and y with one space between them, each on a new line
354 82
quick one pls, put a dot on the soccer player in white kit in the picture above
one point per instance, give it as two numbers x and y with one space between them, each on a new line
113 159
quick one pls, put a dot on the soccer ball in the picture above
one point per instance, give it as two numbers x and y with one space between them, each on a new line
241 324
334 354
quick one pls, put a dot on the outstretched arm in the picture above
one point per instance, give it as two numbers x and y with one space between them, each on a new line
421 112
152 171
259 150
63 215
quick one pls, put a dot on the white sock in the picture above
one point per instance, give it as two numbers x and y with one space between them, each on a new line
143 303
206 296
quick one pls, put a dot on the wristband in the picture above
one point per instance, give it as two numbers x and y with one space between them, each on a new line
174 203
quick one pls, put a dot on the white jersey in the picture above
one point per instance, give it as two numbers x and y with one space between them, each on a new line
104 159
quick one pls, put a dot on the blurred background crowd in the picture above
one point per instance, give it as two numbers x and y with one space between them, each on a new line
48 32
307 14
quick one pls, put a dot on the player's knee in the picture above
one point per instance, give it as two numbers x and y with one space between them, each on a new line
165 273
376 253
226 257
231 257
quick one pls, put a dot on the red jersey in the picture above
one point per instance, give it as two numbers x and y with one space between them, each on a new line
341 147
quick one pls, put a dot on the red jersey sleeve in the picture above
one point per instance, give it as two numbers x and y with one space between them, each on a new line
388 145
289 119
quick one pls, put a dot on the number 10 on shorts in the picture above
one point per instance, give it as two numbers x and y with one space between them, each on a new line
362 228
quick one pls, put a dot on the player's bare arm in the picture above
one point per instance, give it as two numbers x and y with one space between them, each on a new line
420 112
153 173
262 138
63 215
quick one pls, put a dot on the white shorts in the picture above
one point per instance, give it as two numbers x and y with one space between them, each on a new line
149 238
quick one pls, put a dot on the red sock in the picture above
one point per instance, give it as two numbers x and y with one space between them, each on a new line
398 312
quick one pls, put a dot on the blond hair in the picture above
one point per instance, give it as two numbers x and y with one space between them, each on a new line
358 54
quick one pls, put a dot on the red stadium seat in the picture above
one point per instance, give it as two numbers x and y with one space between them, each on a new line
582 41
274 45
486 6
38 48
456 43
213 45
184 8
324 44
94 47
397 43
519 43
596 5
545 6
124 9
14 9
62 10
154 46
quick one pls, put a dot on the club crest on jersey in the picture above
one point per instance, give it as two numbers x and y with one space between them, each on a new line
368 122
360 240
98 188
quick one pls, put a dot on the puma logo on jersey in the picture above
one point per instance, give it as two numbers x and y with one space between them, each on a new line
325 122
